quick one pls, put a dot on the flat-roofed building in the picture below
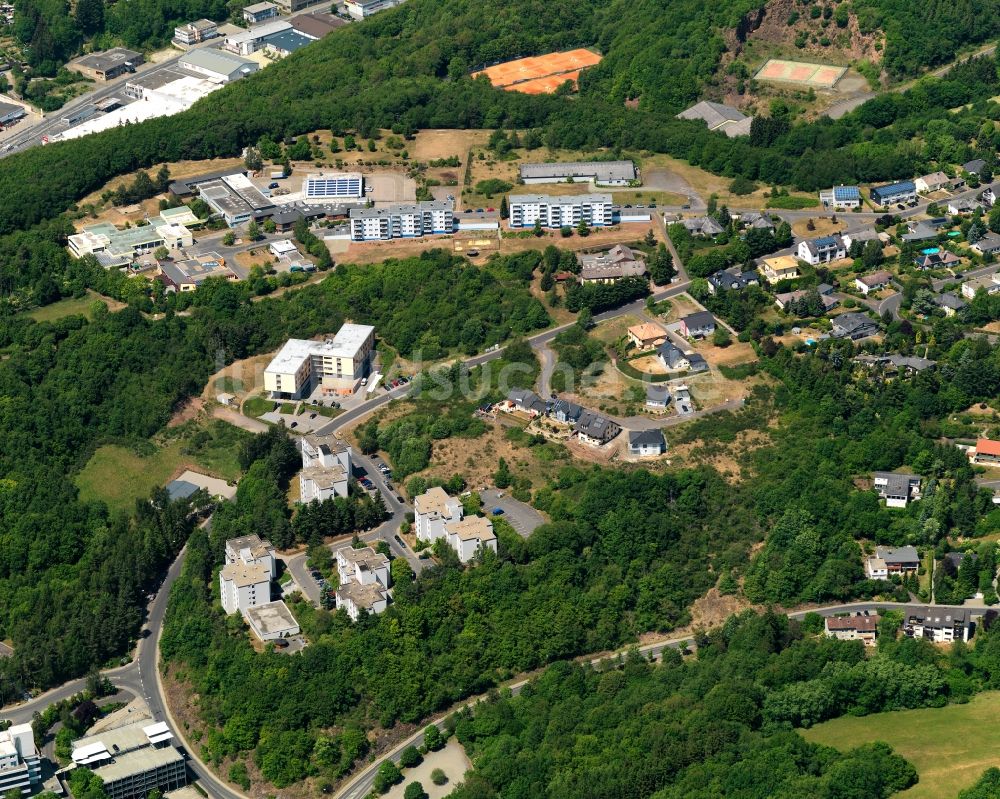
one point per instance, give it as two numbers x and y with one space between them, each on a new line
325 451
20 763
364 566
188 274
336 365
470 535
271 621
130 242
243 586
252 550
107 65
252 40
10 113
559 211
195 32
841 197
320 483
133 760
219 66
317 24
432 510
235 198
259 12
402 221
608 173
362 9
356 599
323 186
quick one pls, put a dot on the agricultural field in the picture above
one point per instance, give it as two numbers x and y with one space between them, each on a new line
949 746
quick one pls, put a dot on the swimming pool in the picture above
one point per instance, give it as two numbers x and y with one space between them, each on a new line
955 233
931 251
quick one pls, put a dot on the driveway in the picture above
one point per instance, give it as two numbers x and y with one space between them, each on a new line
522 517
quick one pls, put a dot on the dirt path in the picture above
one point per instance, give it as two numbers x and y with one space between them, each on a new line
239 420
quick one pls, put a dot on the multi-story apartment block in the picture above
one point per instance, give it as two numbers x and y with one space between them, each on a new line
243 587
251 550
20 764
402 221
364 581
559 211
337 364
133 760
431 510
469 536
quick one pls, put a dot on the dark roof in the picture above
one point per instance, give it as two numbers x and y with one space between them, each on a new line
181 489
526 398
658 393
975 166
699 319
902 187
570 409
956 558
646 438
850 324
898 555
596 426
949 300
863 624
317 24
937 616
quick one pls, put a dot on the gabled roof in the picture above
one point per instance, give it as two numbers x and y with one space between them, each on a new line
715 115
861 624
876 278
646 438
900 555
698 319
975 166
987 446
949 300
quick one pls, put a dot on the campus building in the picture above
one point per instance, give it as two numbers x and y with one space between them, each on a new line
133 760
219 66
20 764
608 173
235 199
362 9
335 364
169 229
402 221
559 211
322 186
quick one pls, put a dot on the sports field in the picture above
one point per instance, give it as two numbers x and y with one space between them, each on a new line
949 746
539 74
804 73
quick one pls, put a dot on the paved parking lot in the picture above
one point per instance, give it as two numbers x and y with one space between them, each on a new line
522 517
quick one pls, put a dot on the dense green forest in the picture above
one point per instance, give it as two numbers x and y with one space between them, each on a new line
717 724
408 68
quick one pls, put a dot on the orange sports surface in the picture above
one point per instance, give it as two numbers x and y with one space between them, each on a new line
822 76
539 74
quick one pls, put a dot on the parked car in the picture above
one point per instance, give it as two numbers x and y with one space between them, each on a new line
280 643
498 511
273 186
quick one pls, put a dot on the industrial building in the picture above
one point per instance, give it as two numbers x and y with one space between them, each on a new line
20 764
235 198
108 65
10 113
362 9
195 32
317 24
336 365
284 43
169 230
322 186
188 274
259 12
559 211
609 173
402 221
219 66
252 40
133 760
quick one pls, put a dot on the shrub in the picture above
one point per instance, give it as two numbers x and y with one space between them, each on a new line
492 186
410 757
414 791
438 777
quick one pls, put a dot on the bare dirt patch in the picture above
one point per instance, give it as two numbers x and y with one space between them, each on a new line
188 410
822 226
714 609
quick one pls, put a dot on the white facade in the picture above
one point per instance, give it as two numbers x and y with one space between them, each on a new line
402 221
362 9
325 451
432 510
559 211
242 587
320 483
323 186
470 535
336 364
364 566
195 32
250 41
20 764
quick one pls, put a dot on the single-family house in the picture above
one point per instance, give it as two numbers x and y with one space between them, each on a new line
788 298
822 250
920 231
863 236
646 443
987 245
903 192
896 489
607 267
704 226
895 363
757 220
932 182
527 401
732 279
886 562
841 197
942 259
950 303
592 428
646 335
854 326
432 510
942 625
780 267
963 207
657 397
699 324
987 451
859 627
974 167
566 412
674 358
876 281
952 561
469 536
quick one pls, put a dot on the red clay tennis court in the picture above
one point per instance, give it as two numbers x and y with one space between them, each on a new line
539 74
820 76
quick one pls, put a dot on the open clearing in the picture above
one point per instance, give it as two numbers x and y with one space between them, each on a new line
451 759
949 746
72 306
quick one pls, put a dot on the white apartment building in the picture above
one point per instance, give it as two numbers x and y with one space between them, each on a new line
364 581
335 364
470 535
402 221
431 510
323 186
325 451
320 483
242 587
362 9
559 211
20 764
195 32
251 550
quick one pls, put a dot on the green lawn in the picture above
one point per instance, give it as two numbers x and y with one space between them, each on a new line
119 476
257 406
950 746
67 307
